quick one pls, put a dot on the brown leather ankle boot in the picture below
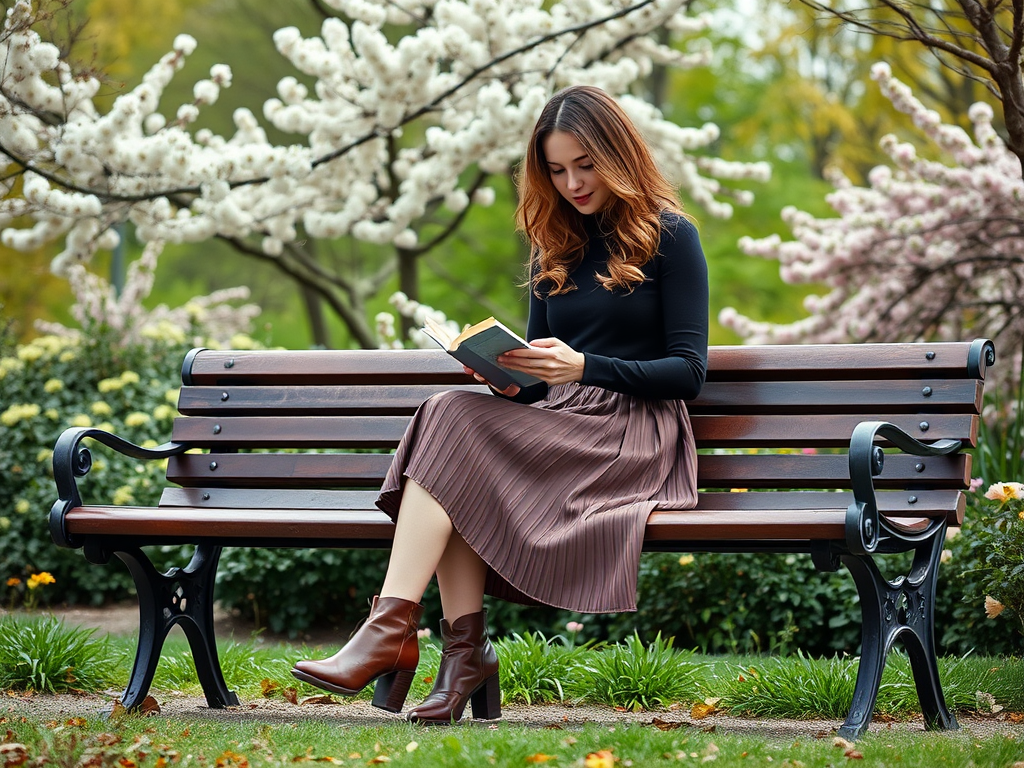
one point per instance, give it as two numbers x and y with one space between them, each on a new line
384 649
469 671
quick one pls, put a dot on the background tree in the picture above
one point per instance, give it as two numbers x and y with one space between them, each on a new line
975 41
404 117
928 250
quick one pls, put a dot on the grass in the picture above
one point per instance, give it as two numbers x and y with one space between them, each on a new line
45 655
166 742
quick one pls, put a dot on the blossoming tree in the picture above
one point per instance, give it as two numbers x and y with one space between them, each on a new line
928 249
398 134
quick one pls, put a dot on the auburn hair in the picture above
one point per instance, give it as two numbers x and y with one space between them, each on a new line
631 220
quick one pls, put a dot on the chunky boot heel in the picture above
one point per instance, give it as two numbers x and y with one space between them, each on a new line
468 674
385 649
486 700
390 690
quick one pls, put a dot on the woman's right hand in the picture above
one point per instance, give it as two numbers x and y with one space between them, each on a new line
512 391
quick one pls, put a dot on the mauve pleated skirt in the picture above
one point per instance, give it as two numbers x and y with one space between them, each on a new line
554 496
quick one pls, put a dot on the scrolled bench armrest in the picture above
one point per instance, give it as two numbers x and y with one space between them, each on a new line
72 460
866 461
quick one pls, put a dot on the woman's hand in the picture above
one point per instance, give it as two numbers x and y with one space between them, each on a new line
512 391
550 360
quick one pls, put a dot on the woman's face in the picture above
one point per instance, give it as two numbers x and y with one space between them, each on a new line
572 173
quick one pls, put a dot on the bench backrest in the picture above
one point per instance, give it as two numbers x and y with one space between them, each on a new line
769 417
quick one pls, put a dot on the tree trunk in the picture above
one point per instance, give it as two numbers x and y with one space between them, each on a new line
408 283
315 314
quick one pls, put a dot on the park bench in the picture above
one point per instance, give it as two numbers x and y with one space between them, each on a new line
895 415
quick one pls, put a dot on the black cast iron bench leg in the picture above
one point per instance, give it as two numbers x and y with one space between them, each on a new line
180 596
904 608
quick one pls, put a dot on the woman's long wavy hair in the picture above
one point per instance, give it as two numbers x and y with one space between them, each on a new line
623 161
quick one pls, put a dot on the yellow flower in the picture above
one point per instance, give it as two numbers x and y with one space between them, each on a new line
993 607
21 506
53 385
29 353
40 579
100 408
738 490
171 396
130 377
80 420
13 581
51 414
67 356
44 454
137 419
5 523
1003 492
106 426
685 560
163 412
123 495
10 365
150 443
109 385
19 412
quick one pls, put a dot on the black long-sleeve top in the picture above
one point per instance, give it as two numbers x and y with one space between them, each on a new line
651 342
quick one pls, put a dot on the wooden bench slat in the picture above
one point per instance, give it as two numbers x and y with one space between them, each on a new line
776 397
894 504
285 525
727 431
270 470
393 399
304 367
721 471
736 363
825 361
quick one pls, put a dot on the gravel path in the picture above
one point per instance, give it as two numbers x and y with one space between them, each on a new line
361 713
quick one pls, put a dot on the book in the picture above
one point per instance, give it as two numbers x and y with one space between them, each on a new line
478 347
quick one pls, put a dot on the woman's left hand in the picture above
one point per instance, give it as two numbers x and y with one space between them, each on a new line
550 360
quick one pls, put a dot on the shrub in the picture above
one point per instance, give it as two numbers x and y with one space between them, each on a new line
53 383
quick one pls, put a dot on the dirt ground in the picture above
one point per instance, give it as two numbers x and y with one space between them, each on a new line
123 620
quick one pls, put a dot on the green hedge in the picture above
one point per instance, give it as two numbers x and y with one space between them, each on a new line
713 602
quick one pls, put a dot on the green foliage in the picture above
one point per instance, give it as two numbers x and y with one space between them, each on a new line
51 384
634 676
535 669
45 655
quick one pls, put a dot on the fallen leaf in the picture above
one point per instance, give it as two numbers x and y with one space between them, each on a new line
602 759
379 759
540 757
291 695
700 711
842 743
326 699
229 759
412 746
149 706
127 762
665 725
428 680
853 754
269 687
1015 717
76 722
12 755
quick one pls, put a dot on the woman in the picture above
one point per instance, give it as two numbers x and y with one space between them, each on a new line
542 495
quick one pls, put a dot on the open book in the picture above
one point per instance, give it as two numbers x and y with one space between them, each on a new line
478 347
